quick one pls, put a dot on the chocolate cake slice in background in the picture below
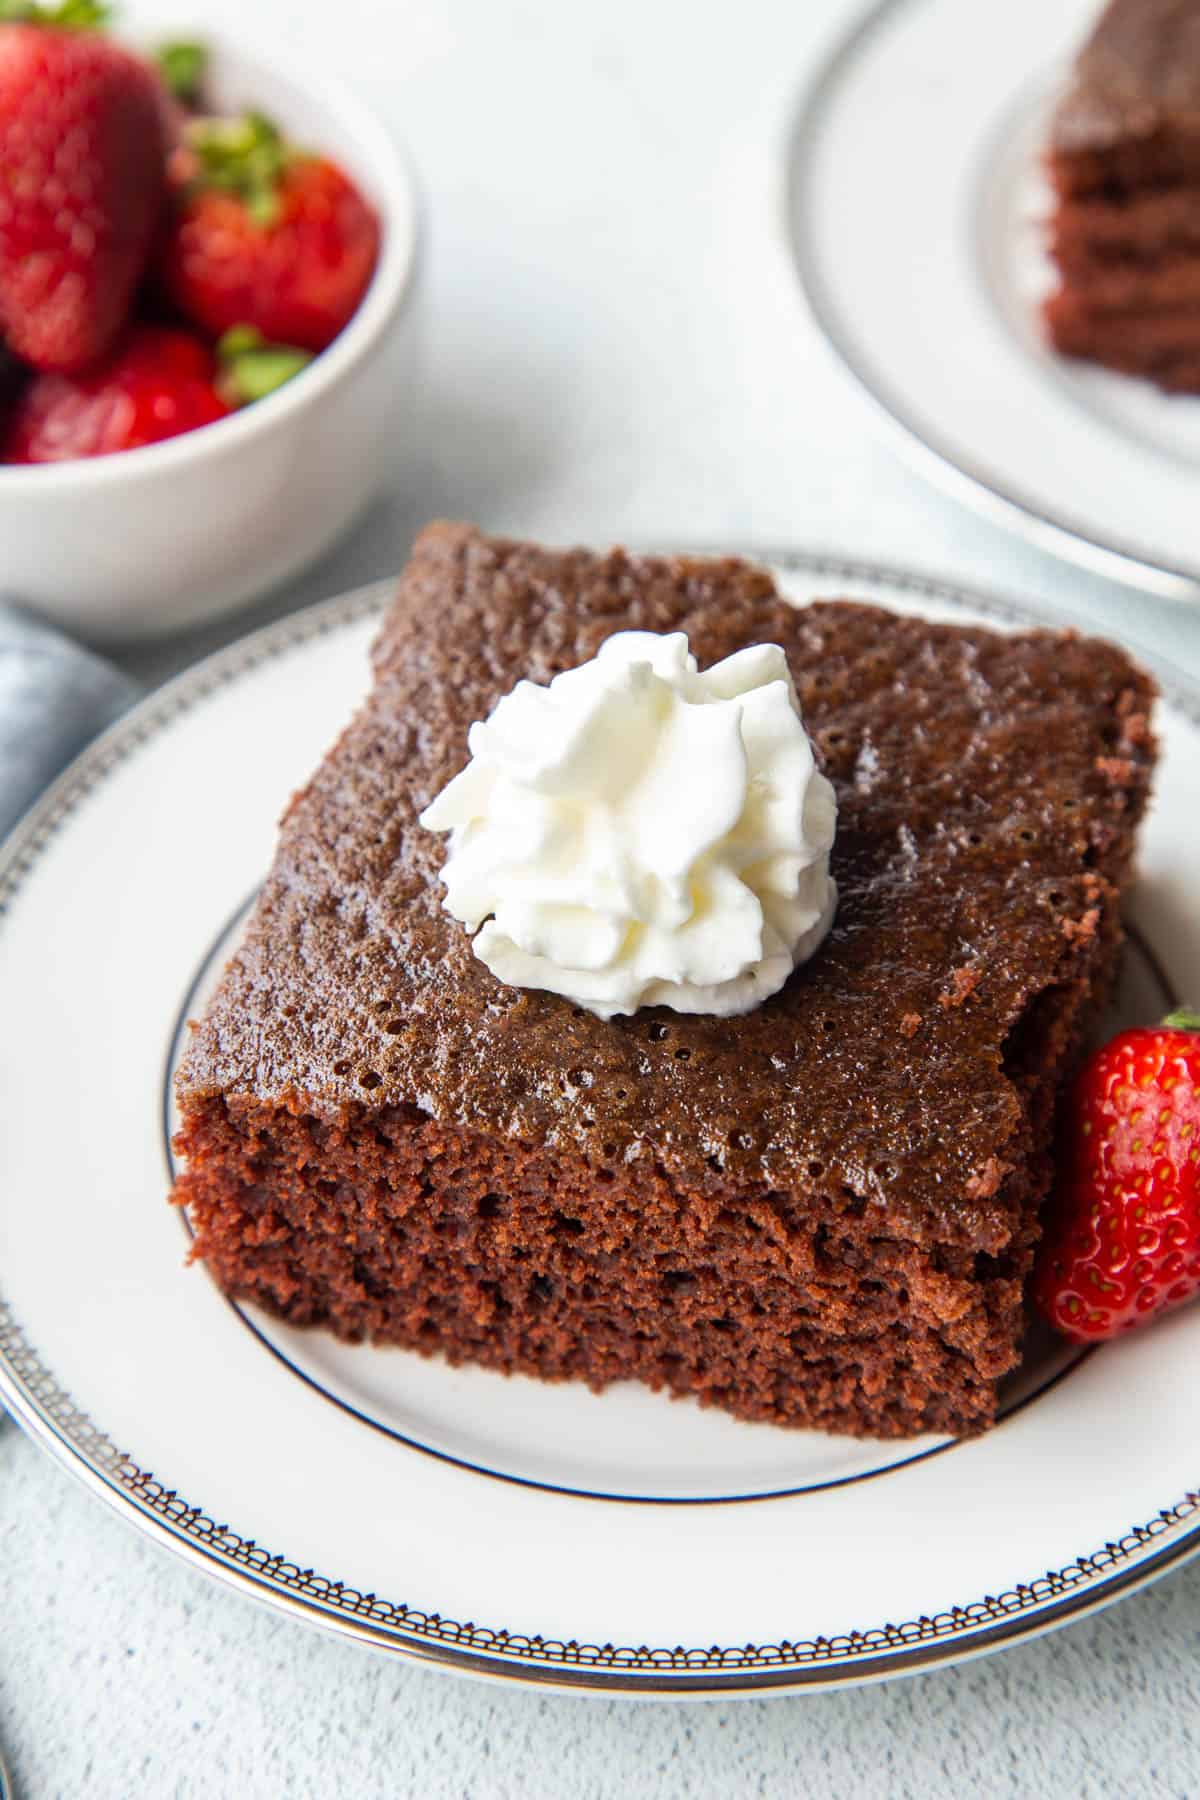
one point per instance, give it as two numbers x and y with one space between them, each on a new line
821 1213
1124 159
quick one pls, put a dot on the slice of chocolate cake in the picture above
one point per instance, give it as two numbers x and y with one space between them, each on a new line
821 1212
1124 159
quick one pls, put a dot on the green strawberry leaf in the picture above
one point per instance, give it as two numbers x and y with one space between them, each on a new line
251 368
246 156
68 15
183 66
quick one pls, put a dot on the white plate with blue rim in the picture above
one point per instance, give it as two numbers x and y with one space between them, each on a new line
916 209
619 1542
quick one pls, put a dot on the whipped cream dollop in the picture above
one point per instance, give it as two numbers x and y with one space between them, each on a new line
640 834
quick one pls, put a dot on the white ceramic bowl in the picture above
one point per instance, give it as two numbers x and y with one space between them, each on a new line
148 541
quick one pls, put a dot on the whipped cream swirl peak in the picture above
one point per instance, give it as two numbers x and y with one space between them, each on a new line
640 834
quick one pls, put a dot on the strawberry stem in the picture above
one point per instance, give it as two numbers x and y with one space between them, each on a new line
1182 1019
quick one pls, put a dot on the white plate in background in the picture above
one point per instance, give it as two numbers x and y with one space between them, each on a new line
916 205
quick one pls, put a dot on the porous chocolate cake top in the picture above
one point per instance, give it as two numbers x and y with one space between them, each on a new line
1138 74
983 781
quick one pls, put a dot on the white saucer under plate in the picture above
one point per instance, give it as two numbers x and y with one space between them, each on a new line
622 1542
916 206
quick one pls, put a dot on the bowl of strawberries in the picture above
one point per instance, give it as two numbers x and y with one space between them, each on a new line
206 329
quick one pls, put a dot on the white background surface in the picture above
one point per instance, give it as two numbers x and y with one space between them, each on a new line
615 349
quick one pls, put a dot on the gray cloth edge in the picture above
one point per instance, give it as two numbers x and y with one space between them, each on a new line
55 696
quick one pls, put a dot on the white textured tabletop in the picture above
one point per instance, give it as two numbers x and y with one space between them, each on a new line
615 350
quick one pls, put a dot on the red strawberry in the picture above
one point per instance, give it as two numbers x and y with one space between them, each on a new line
157 383
11 377
1123 1242
82 160
265 236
